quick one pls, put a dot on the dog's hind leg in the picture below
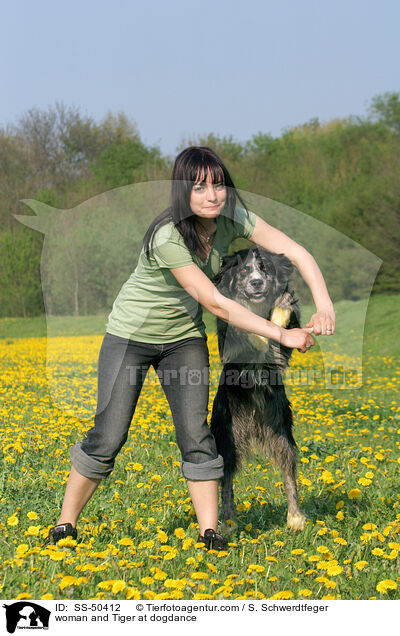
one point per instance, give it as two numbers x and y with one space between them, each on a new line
282 449
295 518
228 506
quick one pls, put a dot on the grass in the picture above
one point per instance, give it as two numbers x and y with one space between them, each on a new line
137 534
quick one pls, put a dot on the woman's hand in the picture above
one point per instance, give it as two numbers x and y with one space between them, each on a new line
323 321
299 339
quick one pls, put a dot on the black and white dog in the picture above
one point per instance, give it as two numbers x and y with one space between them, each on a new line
251 403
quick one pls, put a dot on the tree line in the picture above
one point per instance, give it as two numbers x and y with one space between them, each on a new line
343 172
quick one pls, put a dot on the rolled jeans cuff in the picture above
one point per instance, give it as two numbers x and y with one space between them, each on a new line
88 466
213 469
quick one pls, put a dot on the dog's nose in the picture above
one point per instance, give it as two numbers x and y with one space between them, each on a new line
256 283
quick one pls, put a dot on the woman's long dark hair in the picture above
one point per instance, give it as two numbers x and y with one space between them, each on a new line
190 165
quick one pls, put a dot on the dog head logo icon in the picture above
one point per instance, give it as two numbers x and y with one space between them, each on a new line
26 615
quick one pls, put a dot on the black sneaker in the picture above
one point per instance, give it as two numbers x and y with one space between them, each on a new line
213 541
61 531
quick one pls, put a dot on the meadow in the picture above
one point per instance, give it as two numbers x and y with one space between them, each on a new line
137 535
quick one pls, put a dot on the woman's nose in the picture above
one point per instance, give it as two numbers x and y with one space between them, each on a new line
211 195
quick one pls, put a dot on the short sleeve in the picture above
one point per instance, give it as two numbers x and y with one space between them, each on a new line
244 222
169 249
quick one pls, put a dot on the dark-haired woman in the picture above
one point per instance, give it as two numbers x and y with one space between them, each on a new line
157 320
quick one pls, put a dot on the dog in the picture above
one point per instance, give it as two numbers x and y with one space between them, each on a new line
251 403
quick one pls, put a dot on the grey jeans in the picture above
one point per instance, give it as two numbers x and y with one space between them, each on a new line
183 370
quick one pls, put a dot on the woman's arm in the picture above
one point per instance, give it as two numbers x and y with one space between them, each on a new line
276 241
196 283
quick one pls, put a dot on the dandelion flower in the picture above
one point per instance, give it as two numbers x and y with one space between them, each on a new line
285 594
384 586
13 521
118 586
360 565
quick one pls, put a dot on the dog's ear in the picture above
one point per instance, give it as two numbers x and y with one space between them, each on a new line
284 268
228 262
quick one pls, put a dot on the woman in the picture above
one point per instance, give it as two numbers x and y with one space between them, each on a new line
157 320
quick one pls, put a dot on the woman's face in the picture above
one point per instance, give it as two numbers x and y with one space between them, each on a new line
207 199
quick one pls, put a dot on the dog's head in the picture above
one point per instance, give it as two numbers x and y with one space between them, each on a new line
259 280
254 276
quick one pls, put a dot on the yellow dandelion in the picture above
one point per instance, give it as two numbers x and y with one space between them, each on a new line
369 526
118 587
132 593
125 541
199 575
147 580
68 542
170 555
32 516
360 565
254 567
136 466
322 549
179 533
340 540
305 592
334 570
285 594
13 521
162 536
177 584
186 543
384 586
297 551
23 595
66 581
202 597
106 585
354 493
56 555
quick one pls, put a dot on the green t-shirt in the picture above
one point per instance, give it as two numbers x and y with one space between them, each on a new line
152 306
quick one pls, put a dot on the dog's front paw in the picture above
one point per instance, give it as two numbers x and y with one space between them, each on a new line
285 301
296 521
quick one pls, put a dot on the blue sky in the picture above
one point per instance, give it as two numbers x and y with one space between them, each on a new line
179 69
